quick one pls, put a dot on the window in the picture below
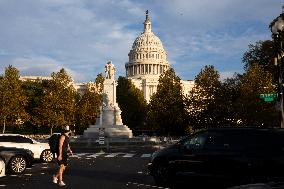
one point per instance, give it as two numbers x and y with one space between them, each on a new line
215 141
7 139
21 139
15 139
195 142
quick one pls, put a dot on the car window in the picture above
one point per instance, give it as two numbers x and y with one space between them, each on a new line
6 139
21 139
215 141
195 142
16 139
2 139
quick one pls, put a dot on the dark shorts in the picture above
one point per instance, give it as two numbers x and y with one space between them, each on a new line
63 161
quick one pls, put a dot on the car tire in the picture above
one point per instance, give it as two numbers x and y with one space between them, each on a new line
17 164
46 156
162 174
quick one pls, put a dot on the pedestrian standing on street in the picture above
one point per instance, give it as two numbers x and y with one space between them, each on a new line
64 148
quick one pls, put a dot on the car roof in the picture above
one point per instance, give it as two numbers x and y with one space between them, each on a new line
8 134
244 129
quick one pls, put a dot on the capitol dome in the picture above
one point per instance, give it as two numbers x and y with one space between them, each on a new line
147 56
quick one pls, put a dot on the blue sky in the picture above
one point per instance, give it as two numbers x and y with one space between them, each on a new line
41 36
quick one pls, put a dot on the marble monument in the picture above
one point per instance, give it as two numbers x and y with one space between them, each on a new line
109 122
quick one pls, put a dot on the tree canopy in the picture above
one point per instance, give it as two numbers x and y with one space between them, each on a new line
13 100
87 105
166 111
57 105
202 102
132 104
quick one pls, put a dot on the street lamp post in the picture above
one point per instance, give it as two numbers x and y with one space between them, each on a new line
277 29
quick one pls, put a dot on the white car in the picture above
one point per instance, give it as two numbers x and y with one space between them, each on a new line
2 167
41 150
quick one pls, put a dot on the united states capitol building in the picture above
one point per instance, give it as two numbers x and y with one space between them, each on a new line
147 61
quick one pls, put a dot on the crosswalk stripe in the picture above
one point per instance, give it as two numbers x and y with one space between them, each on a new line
112 155
128 155
108 155
79 154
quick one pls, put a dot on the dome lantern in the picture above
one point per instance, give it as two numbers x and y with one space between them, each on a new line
147 23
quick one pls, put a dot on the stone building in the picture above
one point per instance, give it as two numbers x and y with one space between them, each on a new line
147 61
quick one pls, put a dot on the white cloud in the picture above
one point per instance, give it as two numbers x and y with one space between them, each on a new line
82 36
226 75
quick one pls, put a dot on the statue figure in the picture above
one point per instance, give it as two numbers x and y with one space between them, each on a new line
109 70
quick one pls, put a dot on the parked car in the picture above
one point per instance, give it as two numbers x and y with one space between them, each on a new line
2 167
16 159
40 150
239 155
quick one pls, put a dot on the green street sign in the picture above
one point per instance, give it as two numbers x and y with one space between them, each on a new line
269 97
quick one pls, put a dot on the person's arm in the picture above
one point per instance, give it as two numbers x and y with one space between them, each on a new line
61 141
69 149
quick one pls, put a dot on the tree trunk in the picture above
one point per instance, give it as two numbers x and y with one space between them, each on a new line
51 130
4 125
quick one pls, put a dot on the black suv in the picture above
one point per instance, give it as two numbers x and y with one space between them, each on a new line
232 154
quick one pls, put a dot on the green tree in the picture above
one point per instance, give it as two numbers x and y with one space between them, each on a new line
166 110
132 104
261 53
87 106
57 105
12 98
34 91
87 110
226 100
252 110
100 83
202 101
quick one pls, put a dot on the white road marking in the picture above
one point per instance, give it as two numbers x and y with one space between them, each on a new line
128 155
112 155
79 154
92 156
107 155
147 185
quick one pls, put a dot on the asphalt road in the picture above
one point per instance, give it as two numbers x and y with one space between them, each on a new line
116 170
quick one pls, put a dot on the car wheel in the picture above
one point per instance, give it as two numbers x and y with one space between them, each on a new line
46 156
17 164
162 174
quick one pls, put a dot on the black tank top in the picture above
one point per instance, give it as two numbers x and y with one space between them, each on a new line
65 144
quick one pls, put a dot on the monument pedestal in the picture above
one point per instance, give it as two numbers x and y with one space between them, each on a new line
110 131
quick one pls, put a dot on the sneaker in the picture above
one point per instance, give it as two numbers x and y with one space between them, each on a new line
61 183
54 179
